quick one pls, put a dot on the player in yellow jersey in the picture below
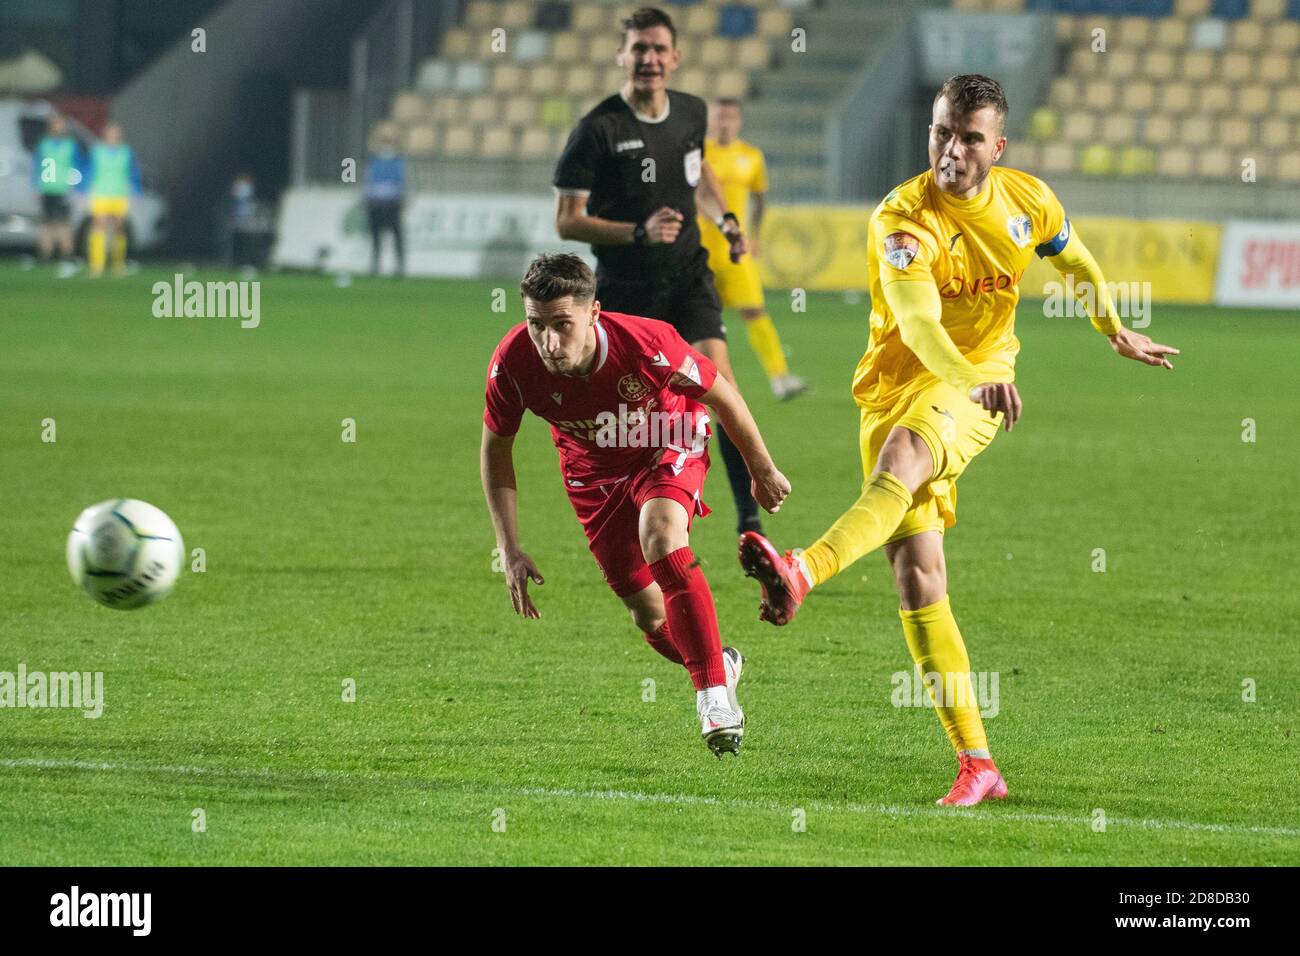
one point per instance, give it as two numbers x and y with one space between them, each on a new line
946 253
742 174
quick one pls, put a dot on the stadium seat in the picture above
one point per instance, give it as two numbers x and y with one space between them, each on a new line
589 18
1276 132
693 80
408 108
1274 67
497 142
1209 35
1254 100
737 21
447 109
544 79
753 54
1079 128
436 75
529 46
1176 97
520 110
1044 125
1119 129
482 109
1138 96
553 16
1191 8
1287 166
714 53
1247 35
535 143
1084 62
700 20
1159 64
1057 158
1197 65
1136 161
566 48
1288 100
1172 34
557 112
471 77
1174 162
1100 94
1214 97
1236 66
1236 132
1195 130
733 83
775 24
1269 9
1121 64
1229 9
1158 129
482 15
508 78
421 141
1022 155
1096 160
579 80
1064 92
1135 33
1216 163
459 141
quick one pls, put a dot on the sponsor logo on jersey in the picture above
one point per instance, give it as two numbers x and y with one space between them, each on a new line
960 285
694 160
1021 229
900 249
632 388
624 145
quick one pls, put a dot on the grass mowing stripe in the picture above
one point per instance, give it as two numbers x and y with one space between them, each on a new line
683 799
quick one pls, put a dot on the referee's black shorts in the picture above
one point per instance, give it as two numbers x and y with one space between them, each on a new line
687 300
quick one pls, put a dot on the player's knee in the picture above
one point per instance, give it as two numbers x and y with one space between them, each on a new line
920 584
906 457
648 620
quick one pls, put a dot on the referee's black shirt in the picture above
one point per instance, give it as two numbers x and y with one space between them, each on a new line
606 156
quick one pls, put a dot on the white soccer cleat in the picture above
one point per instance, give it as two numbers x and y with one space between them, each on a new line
786 387
723 725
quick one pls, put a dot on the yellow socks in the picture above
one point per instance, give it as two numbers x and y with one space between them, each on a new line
119 250
937 648
95 251
864 527
767 345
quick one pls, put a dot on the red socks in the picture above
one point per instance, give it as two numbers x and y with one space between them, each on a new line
662 643
692 620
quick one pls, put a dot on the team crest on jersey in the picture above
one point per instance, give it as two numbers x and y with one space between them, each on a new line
900 249
632 389
1021 229
693 161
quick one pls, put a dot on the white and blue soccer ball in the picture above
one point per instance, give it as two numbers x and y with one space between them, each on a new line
125 553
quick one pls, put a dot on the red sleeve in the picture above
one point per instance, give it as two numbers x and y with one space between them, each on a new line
503 408
685 371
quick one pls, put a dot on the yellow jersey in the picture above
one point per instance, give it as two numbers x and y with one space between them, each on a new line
741 172
976 252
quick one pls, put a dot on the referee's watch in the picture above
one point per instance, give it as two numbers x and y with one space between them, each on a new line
722 220
638 234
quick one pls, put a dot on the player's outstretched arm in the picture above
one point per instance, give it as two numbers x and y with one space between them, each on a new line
917 307
497 469
769 486
1075 260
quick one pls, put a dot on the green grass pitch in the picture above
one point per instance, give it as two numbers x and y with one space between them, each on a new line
1120 692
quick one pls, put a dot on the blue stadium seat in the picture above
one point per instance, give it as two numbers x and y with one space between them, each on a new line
1229 9
736 21
553 15
1293 10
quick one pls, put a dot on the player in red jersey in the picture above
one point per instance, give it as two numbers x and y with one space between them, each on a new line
625 397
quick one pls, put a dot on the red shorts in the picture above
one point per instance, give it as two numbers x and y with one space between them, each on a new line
611 515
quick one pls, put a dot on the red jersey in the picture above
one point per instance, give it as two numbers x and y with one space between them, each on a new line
634 410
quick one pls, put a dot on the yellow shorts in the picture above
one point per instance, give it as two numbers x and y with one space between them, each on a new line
738 283
109 206
954 428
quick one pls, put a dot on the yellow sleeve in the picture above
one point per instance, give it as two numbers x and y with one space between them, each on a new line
917 309
759 183
1075 260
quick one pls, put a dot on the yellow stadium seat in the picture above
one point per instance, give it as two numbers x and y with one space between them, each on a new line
1247 35
566 48
733 83
535 143
1284 36
457 44
1021 155
1121 64
753 54
448 109
482 13
1268 9
1236 66
497 142
601 48
1008 6
1176 97
1064 92
557 112
1214 97
1198 65
1159 64
1135 33
1068 27
421 141
1096 160
1288 100
1085 63
1215 163
1080 128
408 107
520 111
714 53
1136 161
514 15
612 78
1195 131
1254 100
1174 162
1274 67
699 20
459 141
1099 94
1236 132
1057 158
1139 96
1119 129
1172 33
482 109
544 78
580 80
508 78
1191 8
1288 166
1158 129
1044 125
1276 132
775 24
693 80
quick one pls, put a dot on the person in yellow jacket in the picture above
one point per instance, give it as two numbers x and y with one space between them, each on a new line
742 173
947 250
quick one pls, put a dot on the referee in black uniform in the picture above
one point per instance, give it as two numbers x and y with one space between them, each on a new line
627 183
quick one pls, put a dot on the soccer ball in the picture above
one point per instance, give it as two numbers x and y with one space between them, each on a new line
125 553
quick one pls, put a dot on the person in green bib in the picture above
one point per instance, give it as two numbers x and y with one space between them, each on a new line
56 171
114 178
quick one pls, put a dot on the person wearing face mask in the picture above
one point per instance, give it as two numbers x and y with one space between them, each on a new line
385 191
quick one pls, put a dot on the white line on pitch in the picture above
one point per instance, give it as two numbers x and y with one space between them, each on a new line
635 796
